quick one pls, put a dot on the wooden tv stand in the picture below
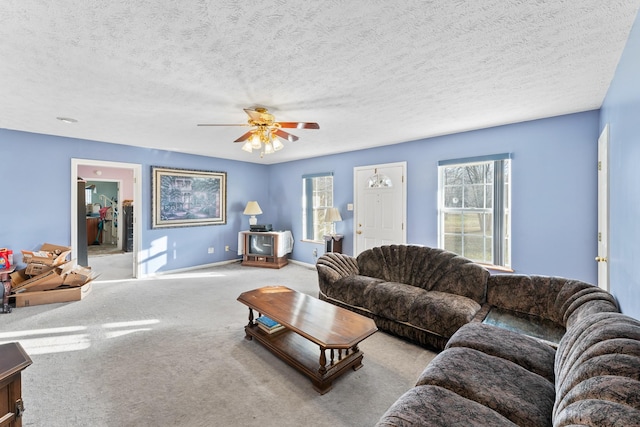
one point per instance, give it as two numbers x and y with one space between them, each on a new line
277 260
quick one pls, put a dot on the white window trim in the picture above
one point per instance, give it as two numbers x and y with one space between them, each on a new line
308 211
501 253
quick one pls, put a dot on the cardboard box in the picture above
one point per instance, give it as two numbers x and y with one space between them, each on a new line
22 282
37 269
62 294
48 254
79 275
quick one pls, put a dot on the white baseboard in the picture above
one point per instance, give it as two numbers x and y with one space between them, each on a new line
195 267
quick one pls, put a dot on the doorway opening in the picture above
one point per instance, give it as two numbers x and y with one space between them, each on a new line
104 231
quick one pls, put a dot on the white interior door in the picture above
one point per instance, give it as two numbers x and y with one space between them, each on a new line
380 205
603 209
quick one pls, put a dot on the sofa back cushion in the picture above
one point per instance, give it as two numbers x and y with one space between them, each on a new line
597 369
431 269
549 297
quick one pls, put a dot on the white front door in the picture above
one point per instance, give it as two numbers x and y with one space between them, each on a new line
603 209
380 205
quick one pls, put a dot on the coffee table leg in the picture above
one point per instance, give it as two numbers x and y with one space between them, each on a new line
249 325
358 364
323 362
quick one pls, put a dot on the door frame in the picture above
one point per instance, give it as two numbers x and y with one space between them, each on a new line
603 210
137 205
356 169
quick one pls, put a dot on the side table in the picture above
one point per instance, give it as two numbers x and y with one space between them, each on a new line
13 360
333 243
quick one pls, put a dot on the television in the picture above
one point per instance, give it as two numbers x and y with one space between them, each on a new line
260 244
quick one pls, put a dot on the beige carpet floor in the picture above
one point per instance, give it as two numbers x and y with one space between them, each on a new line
170 351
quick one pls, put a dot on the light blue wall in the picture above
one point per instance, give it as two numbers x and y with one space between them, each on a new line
554 190
554 196
621 110
37 200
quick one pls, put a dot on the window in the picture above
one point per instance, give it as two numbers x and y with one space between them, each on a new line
474 208
317 196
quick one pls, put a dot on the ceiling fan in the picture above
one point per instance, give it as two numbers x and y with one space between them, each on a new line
266 131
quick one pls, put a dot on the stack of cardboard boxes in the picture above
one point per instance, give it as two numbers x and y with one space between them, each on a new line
49 277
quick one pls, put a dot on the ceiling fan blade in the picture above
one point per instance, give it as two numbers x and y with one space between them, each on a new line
235 124
299 125
285 135
260 115
244 137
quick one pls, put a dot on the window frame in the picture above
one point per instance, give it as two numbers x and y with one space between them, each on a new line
312 215
500 209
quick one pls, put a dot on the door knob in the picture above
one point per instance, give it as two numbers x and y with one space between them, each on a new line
359 232
601 259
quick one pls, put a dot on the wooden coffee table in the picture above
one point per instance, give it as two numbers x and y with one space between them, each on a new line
312 327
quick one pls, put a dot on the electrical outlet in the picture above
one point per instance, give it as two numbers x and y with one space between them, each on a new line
226 248
210 250
315 252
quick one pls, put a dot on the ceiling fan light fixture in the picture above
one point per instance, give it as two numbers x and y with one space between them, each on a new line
268 148
266 134
255 140
247 147
277 145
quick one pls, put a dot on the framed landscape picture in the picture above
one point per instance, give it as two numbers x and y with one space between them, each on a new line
185 198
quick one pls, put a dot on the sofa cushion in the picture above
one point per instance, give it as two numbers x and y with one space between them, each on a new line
425 406
442 313
352 290
598 372
527 352
576 346
427 268
392 300
521 396
599 413
604 388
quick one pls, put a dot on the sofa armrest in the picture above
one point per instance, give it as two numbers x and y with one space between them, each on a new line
333 267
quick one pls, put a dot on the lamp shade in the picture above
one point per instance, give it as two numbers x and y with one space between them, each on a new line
252 208
332 215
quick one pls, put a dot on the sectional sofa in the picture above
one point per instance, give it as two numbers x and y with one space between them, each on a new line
489 376
426 294
517 349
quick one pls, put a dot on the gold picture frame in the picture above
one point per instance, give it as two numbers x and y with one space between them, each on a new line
187 198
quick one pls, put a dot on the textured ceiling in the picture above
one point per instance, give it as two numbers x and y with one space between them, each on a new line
370 72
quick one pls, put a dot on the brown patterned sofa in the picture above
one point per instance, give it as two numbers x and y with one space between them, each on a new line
419 293
518 349
426 294
490 376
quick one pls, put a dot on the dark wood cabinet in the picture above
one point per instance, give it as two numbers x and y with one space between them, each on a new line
81 224
93 230
127 232
333 243
13 360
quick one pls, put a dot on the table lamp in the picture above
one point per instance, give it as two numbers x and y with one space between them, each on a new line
332 215
253 209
